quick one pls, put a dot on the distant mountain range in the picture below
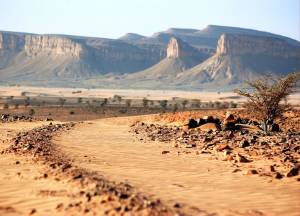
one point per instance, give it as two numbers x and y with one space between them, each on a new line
214 58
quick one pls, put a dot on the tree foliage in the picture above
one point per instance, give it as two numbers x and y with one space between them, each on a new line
267 94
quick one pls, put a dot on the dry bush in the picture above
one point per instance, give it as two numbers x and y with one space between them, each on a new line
5 106
266 96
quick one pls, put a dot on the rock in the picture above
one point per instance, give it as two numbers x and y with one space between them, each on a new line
59 206
229 157
207 139
177 205
275 127
251 172
183 133
241 159
222 147
201 121
229 122
175 145
293 172
253 122
229 117
244 143
27 146
209 127
282 140
277 175
230 135
228 126
272 168
208 119
191 145
165 152
217 121
242 121
236 170
192 123
32 212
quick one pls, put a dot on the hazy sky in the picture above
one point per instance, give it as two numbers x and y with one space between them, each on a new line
113 18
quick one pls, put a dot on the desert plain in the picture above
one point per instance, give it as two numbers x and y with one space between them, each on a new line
71 159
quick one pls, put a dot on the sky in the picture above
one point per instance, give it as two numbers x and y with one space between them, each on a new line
114 18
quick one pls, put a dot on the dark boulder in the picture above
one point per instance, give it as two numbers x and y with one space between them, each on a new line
192 123
208 119
244 143
201 121
275 127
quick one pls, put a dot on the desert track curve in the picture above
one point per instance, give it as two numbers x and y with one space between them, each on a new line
106 146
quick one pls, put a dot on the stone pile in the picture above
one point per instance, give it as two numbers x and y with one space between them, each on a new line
12 118
228 123
230 141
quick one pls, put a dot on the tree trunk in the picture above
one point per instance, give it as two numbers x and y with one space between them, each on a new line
264 125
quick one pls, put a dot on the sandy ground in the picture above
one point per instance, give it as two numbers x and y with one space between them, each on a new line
107 146
128 93
23 188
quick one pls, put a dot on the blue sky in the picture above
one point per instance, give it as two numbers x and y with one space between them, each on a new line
113 18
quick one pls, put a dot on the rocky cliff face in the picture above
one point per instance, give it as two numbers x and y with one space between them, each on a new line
173 49
242 57
12 42
180 58
81 56
246 44
35 44
177 48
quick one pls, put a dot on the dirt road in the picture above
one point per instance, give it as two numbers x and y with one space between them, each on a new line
106 146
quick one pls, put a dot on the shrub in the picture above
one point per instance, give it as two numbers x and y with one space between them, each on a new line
175 107
184 103
163 104
232 105
27 102
217 104
128 103
104 102
145 102
117 98
265 97
196 103
61 101
31 112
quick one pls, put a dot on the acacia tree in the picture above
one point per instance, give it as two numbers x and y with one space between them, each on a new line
184 103
145 102
163 104
265 97
128 103
104 102
62 101
117 98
